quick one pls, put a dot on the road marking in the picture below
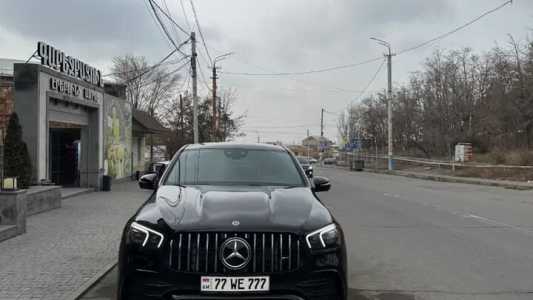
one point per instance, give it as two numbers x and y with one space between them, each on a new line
467 216
497 223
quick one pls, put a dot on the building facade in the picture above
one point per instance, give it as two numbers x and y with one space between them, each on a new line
74 130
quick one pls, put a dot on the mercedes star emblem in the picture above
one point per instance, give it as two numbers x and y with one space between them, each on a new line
235 253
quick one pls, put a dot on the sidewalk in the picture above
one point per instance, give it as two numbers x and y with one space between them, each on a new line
517 185
65 248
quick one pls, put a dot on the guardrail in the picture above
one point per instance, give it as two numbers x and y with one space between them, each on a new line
451 164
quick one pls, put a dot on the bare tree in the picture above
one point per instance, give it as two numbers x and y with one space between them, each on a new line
458 96
148 88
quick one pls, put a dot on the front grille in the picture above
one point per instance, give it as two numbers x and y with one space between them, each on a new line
198 252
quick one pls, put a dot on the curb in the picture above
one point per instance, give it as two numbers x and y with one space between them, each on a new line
75 295
87 191
476 181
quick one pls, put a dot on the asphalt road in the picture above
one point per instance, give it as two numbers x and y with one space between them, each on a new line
433 240
414 239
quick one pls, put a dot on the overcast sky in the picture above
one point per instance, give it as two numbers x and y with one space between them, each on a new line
269 36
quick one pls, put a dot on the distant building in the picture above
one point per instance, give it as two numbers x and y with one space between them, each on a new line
319 143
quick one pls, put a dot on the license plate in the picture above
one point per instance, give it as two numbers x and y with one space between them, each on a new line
235 284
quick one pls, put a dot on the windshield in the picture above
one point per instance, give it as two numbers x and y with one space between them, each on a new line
235 167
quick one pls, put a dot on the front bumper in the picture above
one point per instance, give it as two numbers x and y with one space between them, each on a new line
318 285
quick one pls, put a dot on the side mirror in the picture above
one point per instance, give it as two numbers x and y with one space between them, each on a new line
148 181
321 184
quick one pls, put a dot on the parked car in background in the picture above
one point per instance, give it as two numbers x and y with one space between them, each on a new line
313 160
306 165
330 161
157 167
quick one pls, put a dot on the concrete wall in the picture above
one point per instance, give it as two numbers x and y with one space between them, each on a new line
42 198
13 212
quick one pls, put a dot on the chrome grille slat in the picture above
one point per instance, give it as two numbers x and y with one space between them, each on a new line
199 253
255 252
189 253
290 252
216 252
170 252
280 252
272 252
298 254
179 254
207 253
263 254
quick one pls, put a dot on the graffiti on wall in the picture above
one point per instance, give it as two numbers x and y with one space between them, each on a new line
117 136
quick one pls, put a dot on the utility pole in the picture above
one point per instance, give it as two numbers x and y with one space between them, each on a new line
322 122
194 87
215 117
181 119
389 107
389 56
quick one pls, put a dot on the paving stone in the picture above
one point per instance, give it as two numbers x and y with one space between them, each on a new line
66 247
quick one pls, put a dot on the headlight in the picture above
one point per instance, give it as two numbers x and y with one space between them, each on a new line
145 236
324 237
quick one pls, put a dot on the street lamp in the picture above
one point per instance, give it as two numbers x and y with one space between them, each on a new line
389 97
214 78
222 57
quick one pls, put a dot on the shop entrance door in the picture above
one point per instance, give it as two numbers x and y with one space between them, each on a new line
65 145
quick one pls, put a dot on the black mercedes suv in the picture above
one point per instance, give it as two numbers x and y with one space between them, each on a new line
233 221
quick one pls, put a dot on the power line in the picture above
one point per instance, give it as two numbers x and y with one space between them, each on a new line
152 15
346 66
152 3
280 132
165 30
186 81
150 68
372 80
328 69
200 31
204 81
286 126
369 84
168 12
332 113
185 15
165 75
456 29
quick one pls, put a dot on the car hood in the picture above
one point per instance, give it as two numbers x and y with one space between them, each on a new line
236 209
